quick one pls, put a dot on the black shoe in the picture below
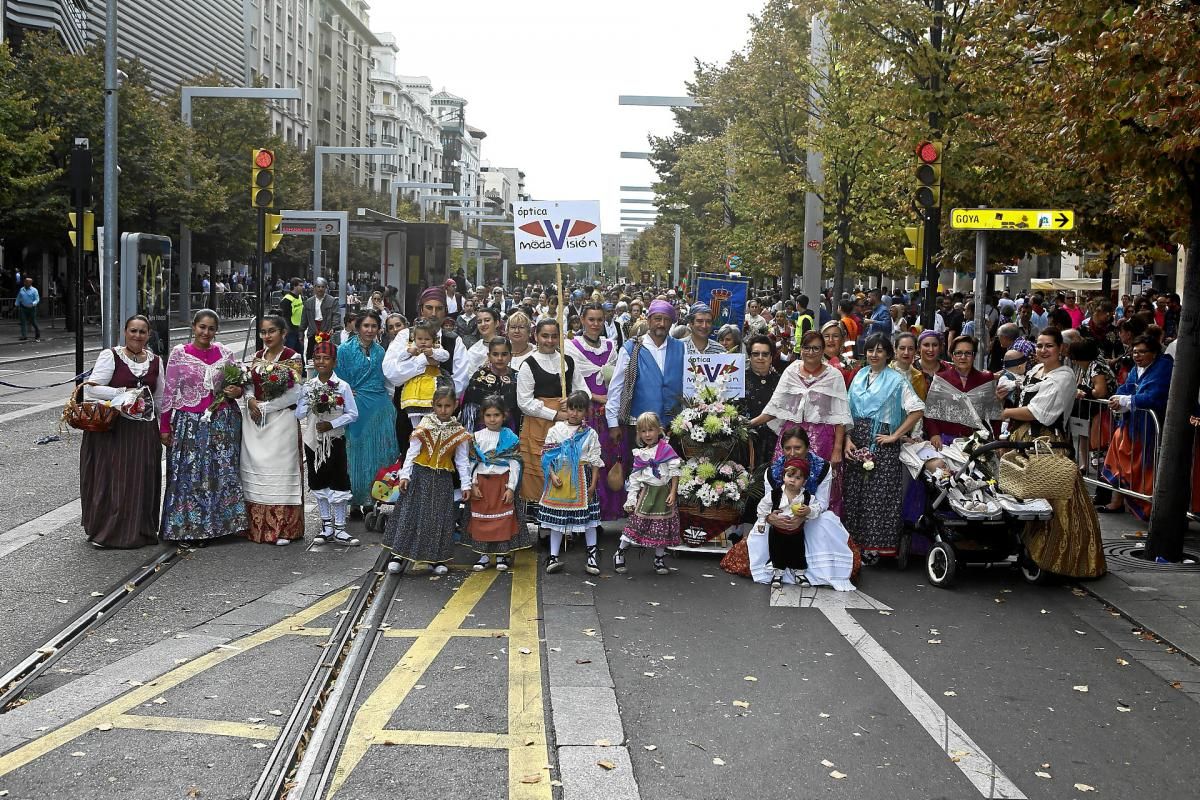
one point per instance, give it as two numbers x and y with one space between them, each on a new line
660 566
593 560
553 565
619 560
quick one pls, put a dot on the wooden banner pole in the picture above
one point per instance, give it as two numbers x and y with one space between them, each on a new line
562 334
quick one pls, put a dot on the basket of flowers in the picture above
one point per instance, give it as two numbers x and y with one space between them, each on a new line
709 426
711 497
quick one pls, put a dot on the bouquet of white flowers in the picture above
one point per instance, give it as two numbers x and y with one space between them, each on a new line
710 484
708 425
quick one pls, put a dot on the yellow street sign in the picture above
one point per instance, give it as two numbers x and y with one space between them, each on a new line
1012 219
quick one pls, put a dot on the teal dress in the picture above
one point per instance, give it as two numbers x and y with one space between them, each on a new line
371 439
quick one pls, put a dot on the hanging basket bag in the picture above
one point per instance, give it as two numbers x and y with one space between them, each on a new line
1042 473
93 416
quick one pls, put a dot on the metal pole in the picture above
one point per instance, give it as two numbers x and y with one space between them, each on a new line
261 270
108 292
479 254
343 260
814 210
675 262
504 272
981 328
933 216
81 180
318 179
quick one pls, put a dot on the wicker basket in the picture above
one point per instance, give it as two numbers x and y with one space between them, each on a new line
701 523
716 450
1043 474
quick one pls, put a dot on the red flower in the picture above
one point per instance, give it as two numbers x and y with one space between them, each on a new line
340 401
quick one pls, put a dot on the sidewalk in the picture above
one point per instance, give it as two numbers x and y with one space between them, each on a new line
1160 599
58 341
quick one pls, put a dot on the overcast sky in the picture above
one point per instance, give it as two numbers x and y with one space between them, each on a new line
542 79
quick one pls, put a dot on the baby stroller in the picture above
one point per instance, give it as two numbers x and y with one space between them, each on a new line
966 520
385 491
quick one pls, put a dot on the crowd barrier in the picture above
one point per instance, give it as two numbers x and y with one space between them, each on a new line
51 309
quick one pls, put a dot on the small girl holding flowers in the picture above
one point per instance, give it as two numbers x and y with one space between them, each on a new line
325 407
652 496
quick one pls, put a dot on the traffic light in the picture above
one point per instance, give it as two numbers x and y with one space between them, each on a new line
89 231
273 235
916 253
262 180
929 175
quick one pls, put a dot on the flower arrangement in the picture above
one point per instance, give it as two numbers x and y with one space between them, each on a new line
232 374
866 459
276 378
707 417
324 398
713 484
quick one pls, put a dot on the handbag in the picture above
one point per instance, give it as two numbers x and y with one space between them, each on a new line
616 477
93 416
1040 474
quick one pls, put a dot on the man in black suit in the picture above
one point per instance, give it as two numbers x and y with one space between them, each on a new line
320 313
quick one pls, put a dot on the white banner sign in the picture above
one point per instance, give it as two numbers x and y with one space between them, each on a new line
705 368
566 231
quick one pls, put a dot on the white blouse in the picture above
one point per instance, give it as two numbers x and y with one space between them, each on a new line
462 462
533 407
1051 397
645 476
561 431
487 440
817 504
106 366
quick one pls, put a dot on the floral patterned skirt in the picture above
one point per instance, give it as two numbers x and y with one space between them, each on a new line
653 523
204 489
873 501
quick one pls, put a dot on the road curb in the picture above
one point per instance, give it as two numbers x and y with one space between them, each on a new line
1140 620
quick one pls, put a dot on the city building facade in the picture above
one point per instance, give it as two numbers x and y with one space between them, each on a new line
68 18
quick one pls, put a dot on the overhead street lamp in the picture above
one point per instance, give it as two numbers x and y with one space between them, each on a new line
398 185
186 94
637 188
319 154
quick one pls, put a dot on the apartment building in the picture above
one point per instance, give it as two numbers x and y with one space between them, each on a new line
67 18
400 117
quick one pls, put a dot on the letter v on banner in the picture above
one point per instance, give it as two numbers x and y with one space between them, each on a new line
557 231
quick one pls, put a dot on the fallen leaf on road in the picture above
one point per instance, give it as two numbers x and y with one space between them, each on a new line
618 618
104 726
668 658
1122 662
462 707
606 764
255 719
583 661
694 744
525 651
112 641
1176 685
750 678
589 583
457 667
720 762
78 754
837 776
827 763
589 631
741 704
1044 611
602 743
1045 775
1124 708
935 641
999 600
651 747
419 686
275 712
1082 633
1083 787
652 603
823 715
649 674
1080 688
258 745
64 602
158 701
950 693
94 594
886 613
532 778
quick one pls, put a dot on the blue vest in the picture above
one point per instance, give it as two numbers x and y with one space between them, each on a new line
654 391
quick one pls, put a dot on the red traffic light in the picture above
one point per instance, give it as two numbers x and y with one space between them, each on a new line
928 152
264 159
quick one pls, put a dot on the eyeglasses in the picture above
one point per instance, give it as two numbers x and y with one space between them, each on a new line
811 348
268 331
963 354
760 354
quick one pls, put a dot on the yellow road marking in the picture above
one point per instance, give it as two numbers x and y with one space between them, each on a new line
23 755
526 714
372 716
215 727
493 741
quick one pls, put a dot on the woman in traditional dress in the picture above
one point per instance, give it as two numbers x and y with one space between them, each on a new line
885 409
961 399
761 381
120 477
272 476
487 325
370 439
496 377
540 398
1130 461
595 357
834 337
201 427
1069 542
812 395
519 332
905 363
929 350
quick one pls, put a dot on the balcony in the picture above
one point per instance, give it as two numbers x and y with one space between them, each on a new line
388 139
388 169
380 110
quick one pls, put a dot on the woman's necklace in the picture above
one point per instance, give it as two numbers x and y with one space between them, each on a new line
137 357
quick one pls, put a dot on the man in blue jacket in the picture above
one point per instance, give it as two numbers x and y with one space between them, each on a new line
28 300
648 376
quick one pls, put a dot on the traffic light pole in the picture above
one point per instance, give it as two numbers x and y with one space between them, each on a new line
260 277
933 216
81 189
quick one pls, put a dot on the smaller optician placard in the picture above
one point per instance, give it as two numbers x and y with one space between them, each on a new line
728 370
557 231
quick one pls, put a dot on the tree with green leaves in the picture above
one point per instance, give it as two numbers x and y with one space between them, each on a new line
26 147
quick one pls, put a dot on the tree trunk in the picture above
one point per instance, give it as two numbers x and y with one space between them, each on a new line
839 271
785 272
1110 261
1172 484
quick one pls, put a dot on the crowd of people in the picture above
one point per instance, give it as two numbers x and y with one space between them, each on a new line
499 426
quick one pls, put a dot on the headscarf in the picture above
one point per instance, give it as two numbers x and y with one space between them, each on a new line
926 335
433 293
661 307
325 347
698 308
833 323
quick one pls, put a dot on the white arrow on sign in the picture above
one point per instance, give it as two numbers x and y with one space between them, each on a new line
976 765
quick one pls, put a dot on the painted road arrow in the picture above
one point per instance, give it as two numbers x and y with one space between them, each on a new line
1012 219
977 766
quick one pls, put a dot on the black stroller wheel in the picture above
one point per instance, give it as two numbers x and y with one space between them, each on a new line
1032 573
902 549
941 565
369 520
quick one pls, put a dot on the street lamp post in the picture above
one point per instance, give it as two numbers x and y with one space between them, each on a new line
185 233
319 154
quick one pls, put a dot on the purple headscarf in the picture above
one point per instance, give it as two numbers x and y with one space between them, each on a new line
661 307
433 293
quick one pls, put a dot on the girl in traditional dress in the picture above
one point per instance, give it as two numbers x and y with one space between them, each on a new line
905 363
371 439
811 395
422 528
487 326
495 525
204 498
595 358
120 478
494 378
272 479
651 489
803 537
571 463
884 408
1069 542
325 408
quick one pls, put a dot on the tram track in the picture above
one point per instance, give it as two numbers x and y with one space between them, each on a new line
301 764
17 680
